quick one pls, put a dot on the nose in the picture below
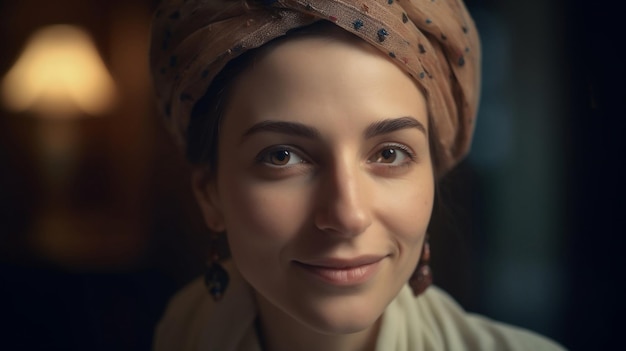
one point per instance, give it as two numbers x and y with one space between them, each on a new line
342 206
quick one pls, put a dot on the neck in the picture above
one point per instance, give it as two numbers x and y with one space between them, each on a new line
280 332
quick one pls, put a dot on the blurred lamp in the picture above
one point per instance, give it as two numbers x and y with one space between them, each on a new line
59 75
60 78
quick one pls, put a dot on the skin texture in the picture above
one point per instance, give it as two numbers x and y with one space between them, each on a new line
339 192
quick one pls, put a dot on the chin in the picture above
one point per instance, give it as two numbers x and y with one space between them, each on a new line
340 317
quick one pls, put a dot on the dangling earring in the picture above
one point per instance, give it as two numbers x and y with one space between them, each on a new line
215 277
422 277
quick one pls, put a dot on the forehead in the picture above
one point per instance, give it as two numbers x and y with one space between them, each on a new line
325 78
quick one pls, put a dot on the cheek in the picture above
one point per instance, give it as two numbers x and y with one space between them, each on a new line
262 216
408 210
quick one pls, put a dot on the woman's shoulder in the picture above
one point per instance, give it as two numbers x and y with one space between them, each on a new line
457 329
183 311
194 321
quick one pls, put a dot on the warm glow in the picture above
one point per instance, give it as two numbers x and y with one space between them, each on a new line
59 74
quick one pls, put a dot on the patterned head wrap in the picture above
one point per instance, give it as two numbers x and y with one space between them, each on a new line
434 41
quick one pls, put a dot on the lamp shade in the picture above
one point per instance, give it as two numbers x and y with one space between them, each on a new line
59 75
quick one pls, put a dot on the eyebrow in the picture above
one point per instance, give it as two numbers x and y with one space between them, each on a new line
289 128
387 126
375 129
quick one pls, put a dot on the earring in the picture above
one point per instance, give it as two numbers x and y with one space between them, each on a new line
215 277
422 277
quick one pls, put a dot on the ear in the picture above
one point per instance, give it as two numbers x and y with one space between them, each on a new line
204 187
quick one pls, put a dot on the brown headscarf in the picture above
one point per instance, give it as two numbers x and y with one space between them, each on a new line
435 41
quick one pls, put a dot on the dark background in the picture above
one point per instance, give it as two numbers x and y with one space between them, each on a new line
530 230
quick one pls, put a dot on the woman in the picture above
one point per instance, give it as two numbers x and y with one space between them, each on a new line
318 130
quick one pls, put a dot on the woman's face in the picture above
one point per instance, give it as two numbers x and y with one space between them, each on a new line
324 182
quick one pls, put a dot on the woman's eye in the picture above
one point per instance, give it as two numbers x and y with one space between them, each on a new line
281 158
391 155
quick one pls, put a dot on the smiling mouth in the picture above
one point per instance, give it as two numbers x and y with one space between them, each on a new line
342 272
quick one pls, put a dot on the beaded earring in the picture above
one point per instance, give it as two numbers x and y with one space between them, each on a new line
422 277
215 277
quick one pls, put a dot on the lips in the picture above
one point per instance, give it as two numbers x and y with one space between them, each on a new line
342 272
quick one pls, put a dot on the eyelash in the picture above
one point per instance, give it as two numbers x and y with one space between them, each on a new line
412 156
390 169
261 158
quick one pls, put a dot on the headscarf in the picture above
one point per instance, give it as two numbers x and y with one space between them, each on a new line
434 41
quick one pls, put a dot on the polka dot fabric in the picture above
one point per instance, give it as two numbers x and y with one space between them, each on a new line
434 41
